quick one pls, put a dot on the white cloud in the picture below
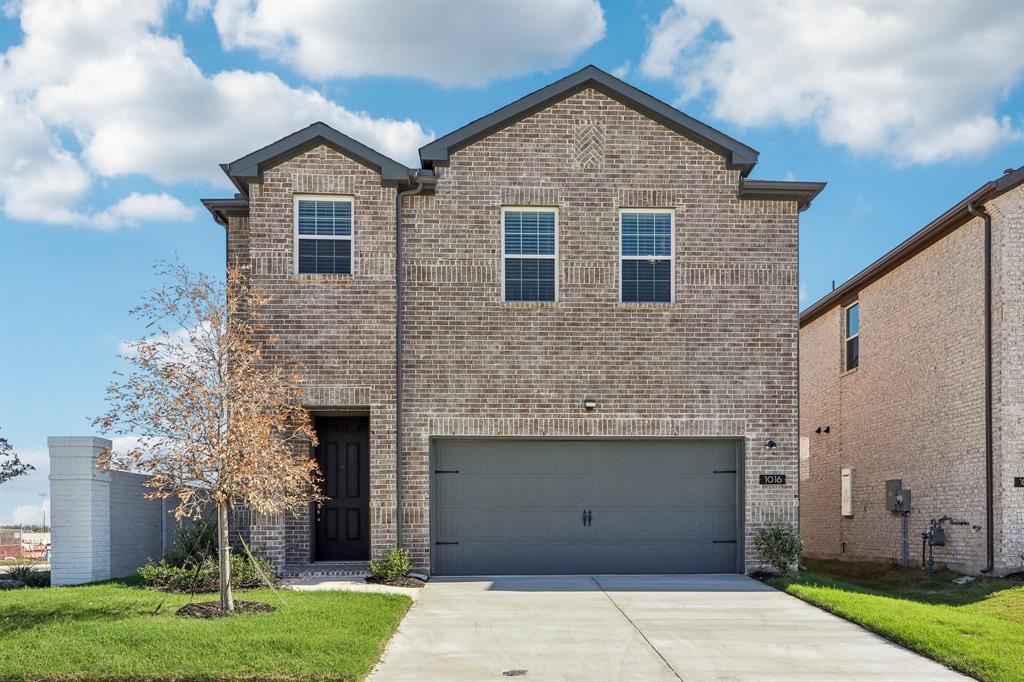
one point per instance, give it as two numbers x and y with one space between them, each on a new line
39 180
622 71
196 9
803 292
466 43
24 490
138 105
914 81
178 342
136 208
123 444
31 515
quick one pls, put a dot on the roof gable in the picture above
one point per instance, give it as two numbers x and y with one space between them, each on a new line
251 166
737 155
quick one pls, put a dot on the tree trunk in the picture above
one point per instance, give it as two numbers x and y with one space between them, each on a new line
227 602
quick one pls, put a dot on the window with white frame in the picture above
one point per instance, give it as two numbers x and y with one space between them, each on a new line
323 235
645 255
529 254
851 356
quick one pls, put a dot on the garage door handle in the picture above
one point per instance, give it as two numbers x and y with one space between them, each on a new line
587 517
723 542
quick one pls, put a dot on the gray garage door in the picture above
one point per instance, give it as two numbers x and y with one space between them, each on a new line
584 506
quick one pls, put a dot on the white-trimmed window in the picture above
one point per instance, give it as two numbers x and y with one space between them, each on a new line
851 331
323 235
529 253
646 249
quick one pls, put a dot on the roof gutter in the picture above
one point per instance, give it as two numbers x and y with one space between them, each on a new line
222 209
803 193
917 242
979 212
420 179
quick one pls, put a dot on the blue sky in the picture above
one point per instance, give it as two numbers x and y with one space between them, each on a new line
115 118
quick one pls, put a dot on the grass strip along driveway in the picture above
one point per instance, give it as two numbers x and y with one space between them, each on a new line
977 629
111 631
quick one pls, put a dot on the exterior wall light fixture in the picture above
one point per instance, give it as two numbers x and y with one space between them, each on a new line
589 402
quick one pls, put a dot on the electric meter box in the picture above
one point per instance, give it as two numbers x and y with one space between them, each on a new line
892 489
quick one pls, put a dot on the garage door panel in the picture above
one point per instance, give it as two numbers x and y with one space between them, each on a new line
625 524
586 558
516 506
475 525
470 490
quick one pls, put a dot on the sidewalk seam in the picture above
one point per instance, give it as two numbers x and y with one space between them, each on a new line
639 631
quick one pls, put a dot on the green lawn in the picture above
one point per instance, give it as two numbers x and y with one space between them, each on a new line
113 631
977 629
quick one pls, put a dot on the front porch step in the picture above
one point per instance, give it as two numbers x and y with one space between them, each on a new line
325 568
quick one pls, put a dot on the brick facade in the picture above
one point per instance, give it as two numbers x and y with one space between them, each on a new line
719 361
914 407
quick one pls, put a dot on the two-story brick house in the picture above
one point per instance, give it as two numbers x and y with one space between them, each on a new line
912 373
594 352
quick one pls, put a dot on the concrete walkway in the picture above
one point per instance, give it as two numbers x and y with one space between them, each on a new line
643 628
325 583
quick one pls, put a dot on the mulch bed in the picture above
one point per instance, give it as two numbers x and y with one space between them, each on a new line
211 609
1016 576
401 582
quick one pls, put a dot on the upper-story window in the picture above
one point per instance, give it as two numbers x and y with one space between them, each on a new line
530 238
323 235
851 326
646 255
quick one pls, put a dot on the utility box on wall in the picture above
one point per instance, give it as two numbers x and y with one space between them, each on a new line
846 492
897 498
892 489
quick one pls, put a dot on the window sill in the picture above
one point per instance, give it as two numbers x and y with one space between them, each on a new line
645 305
849 372
529 304
322 279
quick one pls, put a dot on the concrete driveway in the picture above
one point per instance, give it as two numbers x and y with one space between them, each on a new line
649 628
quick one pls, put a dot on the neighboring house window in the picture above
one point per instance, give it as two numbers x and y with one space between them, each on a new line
323 235
646 255
530 237
852 354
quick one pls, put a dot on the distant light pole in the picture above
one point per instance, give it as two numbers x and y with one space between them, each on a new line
42 506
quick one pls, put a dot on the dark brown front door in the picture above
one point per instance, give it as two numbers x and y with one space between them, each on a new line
343 519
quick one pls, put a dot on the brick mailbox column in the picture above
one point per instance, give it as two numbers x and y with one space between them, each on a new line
79 511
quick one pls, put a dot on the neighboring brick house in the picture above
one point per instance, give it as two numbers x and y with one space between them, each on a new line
598 337
893 387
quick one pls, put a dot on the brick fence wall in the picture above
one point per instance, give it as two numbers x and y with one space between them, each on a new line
102 525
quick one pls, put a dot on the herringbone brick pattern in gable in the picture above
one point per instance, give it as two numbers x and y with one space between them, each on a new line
589 144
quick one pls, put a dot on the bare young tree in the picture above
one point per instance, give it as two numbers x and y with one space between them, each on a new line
11 465
215 423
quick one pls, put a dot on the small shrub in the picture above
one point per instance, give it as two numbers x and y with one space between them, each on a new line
779 546
392 566
246 573
26 573
193 543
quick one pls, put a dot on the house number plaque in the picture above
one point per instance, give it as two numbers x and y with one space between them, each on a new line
772 479
1018 481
